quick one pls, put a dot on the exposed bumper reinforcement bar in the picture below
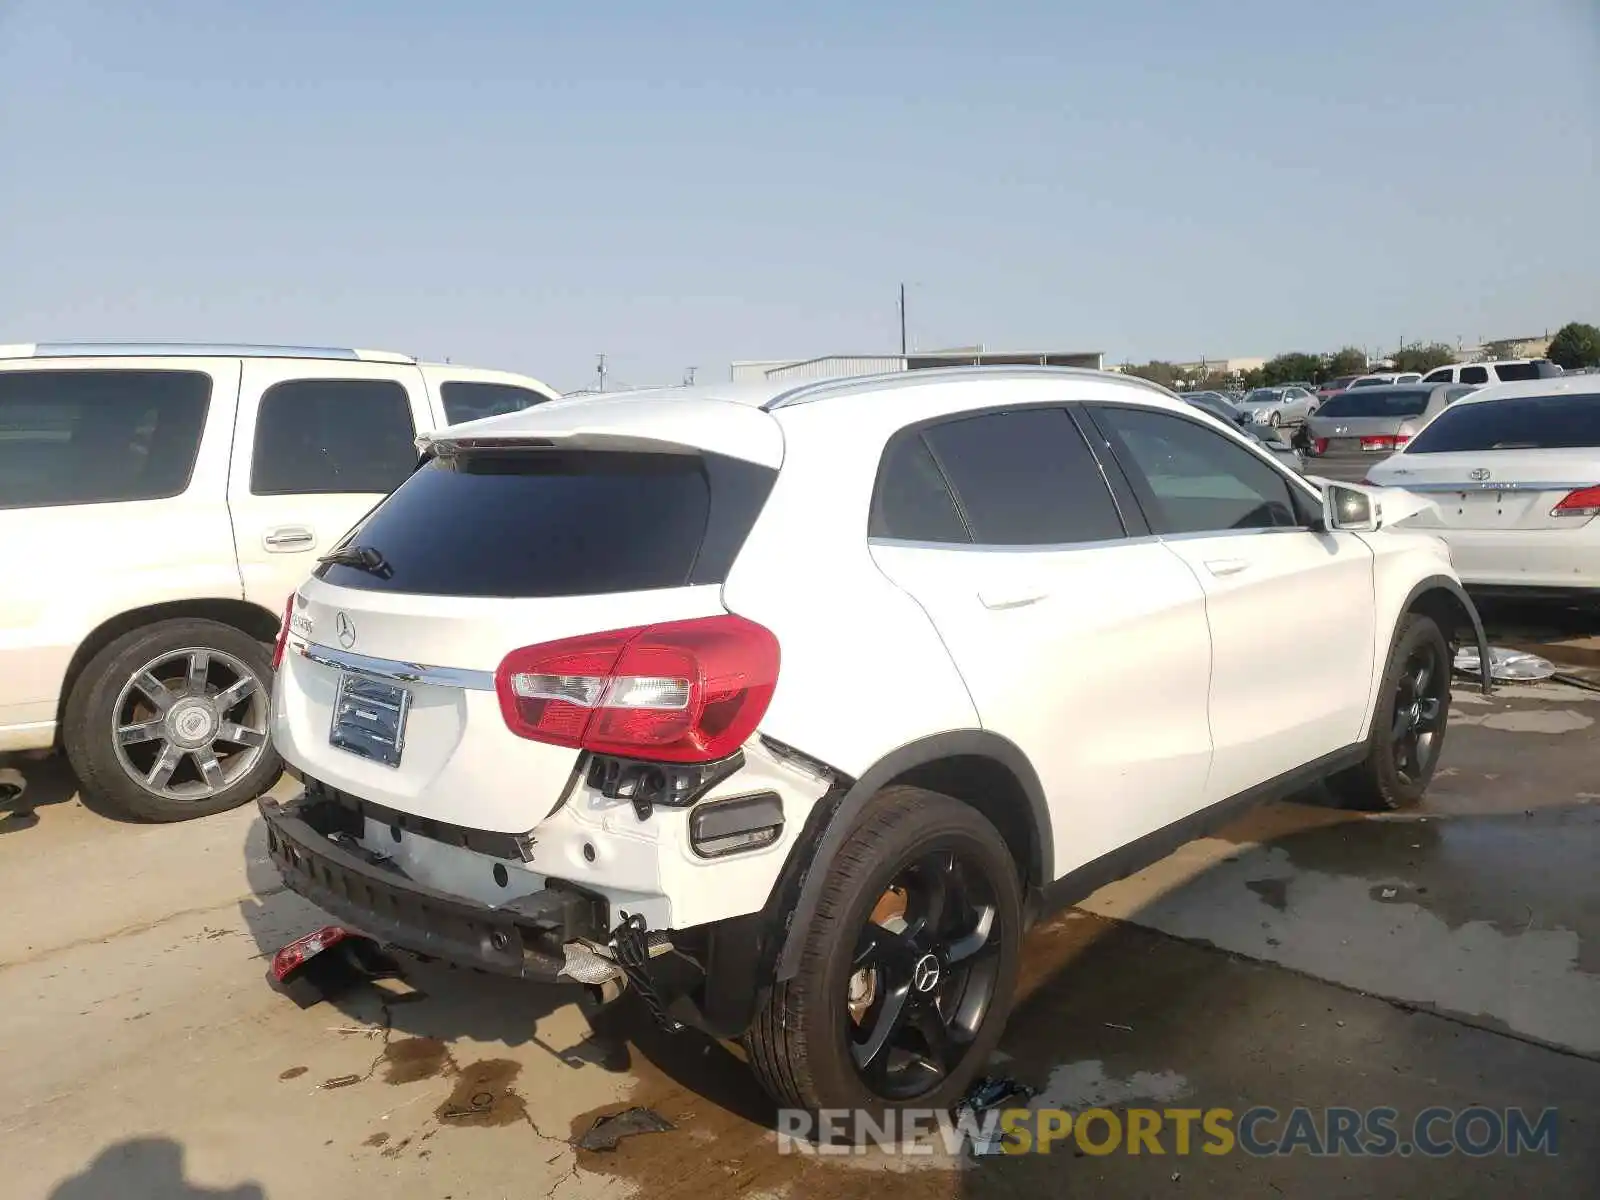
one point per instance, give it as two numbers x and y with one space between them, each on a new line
525 938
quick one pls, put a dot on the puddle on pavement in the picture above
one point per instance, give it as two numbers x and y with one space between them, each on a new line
483 1096
411 1059
1274 891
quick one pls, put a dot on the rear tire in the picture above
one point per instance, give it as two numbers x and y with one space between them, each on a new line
206 751
809 1037
1408 725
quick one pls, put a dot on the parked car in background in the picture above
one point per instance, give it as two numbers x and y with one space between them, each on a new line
1376 420
1385 379
1266 436
1514 473
1508 370
158 506
647 752
1278 406
1334 386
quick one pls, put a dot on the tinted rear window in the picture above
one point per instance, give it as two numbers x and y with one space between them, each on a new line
541 523
1514 371
96 437
466 401
1026 478
1400 402
1558 422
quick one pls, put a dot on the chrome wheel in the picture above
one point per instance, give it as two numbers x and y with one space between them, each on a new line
190 723
1419 703
1274 419
924 975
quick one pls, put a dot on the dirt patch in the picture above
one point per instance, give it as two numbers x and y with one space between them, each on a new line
411 1059
294 1073
483 1095
376 1139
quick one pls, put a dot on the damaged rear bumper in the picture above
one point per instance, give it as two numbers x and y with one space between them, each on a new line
314 846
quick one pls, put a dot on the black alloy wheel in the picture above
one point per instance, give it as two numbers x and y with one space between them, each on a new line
925 972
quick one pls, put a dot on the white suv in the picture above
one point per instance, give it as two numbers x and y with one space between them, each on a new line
791 708
158 506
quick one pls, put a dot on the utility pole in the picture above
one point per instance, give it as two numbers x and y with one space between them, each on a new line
688 376
602 372
902 320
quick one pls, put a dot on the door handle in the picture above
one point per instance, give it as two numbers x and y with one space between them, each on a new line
286 539
1016 596
1227 566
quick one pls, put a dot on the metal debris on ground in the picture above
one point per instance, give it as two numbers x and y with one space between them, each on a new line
987 1093
1505 666
610 1129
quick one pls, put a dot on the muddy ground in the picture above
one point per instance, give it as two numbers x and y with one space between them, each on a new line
1309 956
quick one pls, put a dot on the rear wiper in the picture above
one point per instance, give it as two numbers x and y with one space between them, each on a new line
362 558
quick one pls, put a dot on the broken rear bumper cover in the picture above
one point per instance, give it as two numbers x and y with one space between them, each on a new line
315 849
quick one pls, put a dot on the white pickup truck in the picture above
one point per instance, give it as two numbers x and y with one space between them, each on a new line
159 504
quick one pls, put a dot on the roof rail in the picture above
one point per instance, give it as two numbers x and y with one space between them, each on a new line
198 350
817 389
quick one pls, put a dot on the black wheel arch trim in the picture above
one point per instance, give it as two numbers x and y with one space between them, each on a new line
1446 584
960 743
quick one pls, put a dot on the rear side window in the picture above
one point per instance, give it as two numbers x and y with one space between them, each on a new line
1559 422
466 401
1474 374
331 436
1510 372
1442 375
1025 478
542 523
1191 479
1396 402
98 437
912 501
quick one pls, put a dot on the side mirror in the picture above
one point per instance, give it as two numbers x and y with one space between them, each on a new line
1351 510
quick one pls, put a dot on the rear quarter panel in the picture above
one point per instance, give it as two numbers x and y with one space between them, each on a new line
863 670
68 569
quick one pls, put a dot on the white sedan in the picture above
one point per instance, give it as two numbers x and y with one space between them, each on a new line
1514 474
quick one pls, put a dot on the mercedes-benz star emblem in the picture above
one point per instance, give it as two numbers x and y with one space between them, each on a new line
346 629
925 975
1478 473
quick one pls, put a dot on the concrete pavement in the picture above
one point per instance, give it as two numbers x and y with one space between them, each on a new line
1308 955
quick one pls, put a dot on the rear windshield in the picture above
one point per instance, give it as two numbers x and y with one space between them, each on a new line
98 437
1398 402
541 523
1560 422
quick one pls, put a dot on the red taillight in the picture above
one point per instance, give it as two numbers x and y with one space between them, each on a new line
283 634
1322 445
302 950
683 691
1385 441
1585 502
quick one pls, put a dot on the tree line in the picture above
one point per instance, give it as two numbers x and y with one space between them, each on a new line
1575 346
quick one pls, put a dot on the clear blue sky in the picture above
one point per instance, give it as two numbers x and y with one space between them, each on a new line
527 184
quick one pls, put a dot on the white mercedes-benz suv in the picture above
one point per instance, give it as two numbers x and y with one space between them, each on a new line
792 709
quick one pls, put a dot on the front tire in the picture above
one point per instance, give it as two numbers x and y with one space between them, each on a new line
169 721
1409 724
1274 419
888 1007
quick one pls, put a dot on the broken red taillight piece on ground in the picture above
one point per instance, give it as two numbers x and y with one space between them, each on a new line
298 952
